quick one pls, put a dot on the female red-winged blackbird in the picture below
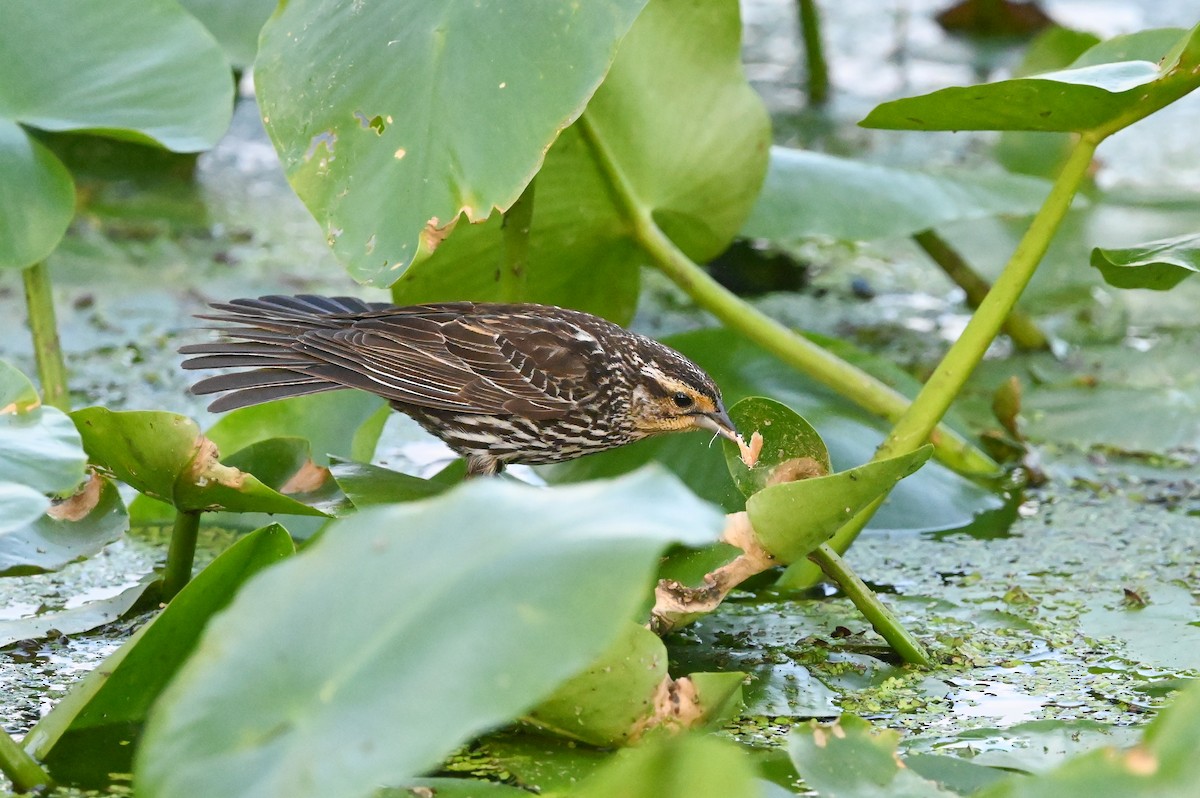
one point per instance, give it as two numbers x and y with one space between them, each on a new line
498 383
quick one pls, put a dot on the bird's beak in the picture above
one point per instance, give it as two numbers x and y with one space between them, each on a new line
718 422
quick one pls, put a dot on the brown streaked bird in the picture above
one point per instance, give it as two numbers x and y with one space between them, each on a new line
498 383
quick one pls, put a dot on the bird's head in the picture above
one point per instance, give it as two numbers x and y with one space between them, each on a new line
673 394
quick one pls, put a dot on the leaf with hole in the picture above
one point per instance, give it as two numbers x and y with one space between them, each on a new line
476 93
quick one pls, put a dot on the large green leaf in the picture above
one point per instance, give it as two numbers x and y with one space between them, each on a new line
674 134
1158 264
453 615
1117 84
809 194
164 456
156 76
90 733
40 453
474 95
686 766
934 499
37 198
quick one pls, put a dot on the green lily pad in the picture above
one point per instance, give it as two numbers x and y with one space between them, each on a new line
787 438
74 528
164 456
683 766
1165 632
812 194
674 135
851 758
1105 90
39 445
91 733
494 585
158 78
476 94
1158 264
1086 399
791 519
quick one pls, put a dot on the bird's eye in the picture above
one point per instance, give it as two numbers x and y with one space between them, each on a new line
681 400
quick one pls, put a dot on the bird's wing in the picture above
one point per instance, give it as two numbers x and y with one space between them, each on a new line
525 364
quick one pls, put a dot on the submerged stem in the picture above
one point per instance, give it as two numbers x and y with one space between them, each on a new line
817 78
181 554
870 606
1019 327
52 372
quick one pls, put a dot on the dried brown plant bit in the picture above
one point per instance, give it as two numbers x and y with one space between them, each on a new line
750 451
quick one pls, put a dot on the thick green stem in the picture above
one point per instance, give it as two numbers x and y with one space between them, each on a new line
515 231
1019 327
918 424
814 53
870 606
44 329
21 769
181 554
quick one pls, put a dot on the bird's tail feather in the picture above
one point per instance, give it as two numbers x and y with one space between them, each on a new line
264 332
